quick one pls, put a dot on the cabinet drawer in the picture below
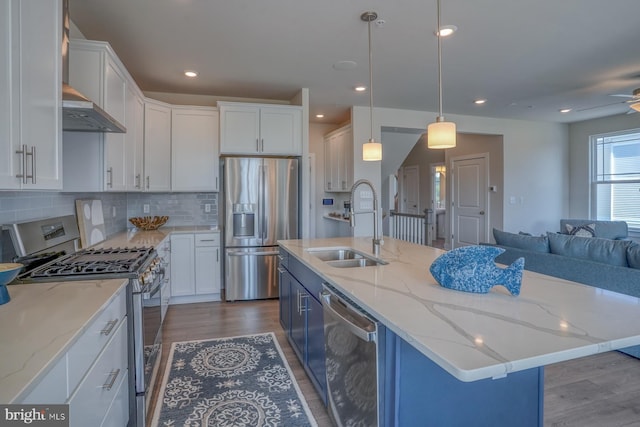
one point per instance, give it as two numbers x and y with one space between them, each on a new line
90 402
118 413
53 387
207 239
82 354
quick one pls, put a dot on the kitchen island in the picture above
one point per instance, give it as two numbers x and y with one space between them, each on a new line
457 351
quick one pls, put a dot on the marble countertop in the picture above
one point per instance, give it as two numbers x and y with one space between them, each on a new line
476 336
137 238
39 324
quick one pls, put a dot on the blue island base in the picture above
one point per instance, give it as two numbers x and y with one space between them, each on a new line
427 395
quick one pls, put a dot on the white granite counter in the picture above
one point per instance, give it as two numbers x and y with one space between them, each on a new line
40 322
138 238
476 336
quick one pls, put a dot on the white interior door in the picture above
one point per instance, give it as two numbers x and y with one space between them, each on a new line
411 190
470 219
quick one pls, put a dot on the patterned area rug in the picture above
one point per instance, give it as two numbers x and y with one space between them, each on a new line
237 381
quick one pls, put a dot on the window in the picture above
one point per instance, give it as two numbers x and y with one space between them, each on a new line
616 177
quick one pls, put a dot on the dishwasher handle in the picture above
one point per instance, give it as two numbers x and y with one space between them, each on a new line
366 331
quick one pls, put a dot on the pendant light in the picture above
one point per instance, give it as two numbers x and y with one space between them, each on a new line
372 150
441 134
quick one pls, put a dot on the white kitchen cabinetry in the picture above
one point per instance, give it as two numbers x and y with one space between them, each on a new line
194 149
92 376
260 129
157 145
195 267
338 160
96 71
134 139
31 95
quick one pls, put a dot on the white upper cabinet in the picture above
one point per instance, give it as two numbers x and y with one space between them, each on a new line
260 129
338 160
194 149
157 146
96 71
31 95
134 140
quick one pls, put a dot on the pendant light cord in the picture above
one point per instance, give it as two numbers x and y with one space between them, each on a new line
440 117
371 82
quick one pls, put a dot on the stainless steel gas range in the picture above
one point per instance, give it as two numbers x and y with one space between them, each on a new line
51 258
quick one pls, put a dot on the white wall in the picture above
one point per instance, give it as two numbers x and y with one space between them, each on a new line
579 158
536 159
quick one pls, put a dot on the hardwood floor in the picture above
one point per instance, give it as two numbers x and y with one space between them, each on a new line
600 391
186 322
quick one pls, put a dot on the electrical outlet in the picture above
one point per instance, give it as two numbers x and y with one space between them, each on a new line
113 211
207 207
145 208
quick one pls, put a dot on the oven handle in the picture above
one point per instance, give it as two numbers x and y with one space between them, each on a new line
156 288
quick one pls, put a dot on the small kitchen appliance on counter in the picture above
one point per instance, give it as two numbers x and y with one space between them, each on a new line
46 247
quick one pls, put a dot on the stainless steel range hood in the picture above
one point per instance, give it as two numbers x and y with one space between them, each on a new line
79 113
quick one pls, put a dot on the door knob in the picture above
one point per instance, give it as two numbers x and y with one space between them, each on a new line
481 212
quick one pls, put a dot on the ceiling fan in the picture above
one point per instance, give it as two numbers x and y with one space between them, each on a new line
634 102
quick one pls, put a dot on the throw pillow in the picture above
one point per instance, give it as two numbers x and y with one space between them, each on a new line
607 251
521 241
586 230
633 255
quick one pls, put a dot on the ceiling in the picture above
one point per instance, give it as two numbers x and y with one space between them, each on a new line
527 58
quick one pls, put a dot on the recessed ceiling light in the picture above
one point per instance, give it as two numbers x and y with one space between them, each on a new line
446 30
565 110
479 101
360 88
320 116
191 73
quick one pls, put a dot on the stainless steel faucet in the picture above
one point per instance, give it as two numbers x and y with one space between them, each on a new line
352 220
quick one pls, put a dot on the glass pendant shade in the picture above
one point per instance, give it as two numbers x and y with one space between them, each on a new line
371 151
441 134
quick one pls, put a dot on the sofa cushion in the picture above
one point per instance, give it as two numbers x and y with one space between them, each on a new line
604 229
586 230
633 255
521 241
607 251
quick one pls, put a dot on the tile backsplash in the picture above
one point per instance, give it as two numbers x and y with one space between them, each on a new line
181 208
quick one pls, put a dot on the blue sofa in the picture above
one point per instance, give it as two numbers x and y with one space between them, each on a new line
615 230
605 263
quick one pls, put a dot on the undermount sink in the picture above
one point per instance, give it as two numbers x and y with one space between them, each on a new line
345 257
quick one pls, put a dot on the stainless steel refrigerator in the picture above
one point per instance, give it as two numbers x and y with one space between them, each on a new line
260 208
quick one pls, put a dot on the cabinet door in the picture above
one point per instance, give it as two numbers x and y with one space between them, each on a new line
284 301
157 146
207 270
134 140
182 265
194 154
10 164
281 131
115 93
239 129
315 343
299 298
40 93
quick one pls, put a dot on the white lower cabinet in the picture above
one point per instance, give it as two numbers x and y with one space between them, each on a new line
92 376
195 267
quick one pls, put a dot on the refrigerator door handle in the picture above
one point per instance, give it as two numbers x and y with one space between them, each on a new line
263 233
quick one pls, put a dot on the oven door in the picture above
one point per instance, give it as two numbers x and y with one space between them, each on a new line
151 324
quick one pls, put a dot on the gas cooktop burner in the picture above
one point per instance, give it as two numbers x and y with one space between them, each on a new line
95 262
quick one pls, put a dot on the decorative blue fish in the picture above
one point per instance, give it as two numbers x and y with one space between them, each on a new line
472 269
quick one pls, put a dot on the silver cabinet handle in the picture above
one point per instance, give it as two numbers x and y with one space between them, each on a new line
303 301
148 182
110 325
262 145
23 159
113 376
281 270
207 240
217 255
138 181
110 177
33 164
216 187
257 145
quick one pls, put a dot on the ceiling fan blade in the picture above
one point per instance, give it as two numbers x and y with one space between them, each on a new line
621 95
601 106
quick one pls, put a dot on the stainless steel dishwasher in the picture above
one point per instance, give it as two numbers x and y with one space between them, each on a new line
351 347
